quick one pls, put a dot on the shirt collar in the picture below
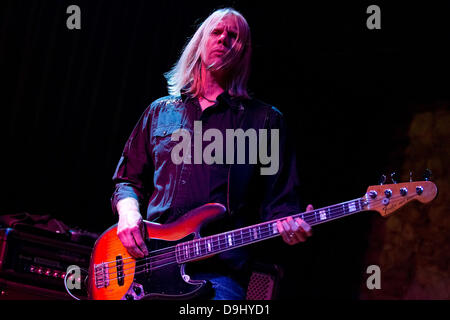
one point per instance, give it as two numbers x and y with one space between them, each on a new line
223 98
233 102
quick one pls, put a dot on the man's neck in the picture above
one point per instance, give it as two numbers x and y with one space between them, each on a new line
212 87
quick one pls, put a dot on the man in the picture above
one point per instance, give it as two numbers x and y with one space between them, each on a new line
208 84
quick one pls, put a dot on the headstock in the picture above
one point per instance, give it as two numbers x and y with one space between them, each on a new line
387 198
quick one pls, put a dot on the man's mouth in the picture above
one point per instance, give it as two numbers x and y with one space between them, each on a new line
219 51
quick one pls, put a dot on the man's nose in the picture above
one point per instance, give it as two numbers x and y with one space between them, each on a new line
223 38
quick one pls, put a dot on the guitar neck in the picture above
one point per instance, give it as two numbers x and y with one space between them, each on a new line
206 246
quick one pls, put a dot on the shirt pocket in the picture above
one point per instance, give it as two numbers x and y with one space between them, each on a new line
162 141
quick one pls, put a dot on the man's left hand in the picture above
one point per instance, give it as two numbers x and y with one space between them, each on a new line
294 231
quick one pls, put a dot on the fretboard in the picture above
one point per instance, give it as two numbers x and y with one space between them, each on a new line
202 247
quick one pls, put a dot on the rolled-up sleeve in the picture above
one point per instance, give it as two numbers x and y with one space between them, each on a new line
134 172
281 196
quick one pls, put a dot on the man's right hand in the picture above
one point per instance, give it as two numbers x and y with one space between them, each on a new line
130 231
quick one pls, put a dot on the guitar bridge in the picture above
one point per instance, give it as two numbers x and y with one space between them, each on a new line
101 275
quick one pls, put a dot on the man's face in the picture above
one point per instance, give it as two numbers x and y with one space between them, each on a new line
220 41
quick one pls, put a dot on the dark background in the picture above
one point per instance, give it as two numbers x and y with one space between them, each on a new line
70 99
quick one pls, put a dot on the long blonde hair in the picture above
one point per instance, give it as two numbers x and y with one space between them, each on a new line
186 73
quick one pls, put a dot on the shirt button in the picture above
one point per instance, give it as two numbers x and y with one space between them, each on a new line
165 132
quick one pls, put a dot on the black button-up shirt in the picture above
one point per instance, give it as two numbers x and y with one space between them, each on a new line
167 190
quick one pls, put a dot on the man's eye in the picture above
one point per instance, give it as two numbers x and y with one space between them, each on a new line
233 35
216 31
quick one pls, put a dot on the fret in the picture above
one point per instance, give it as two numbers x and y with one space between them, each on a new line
203 250
237 237
229 239
215 243
208 245
274 228
177 253
306 217
182 253
197 249
351 207
205 246
245 236
191 249
322 215
261 232
222 242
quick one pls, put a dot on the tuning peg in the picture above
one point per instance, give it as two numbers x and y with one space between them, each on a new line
427 174
392 177
382 179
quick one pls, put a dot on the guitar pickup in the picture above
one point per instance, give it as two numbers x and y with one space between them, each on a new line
119 269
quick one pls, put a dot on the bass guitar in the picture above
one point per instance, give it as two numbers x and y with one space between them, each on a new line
116 275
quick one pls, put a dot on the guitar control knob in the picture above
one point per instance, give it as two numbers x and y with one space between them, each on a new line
137 290
373 194
129 296
419 190
388 193
403 191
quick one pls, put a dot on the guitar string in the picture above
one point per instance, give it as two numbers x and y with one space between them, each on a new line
337 208
308 219
311 215
264 233
172 254
172 260
142 268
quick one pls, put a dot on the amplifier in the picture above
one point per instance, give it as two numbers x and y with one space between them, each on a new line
10 290
40 261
